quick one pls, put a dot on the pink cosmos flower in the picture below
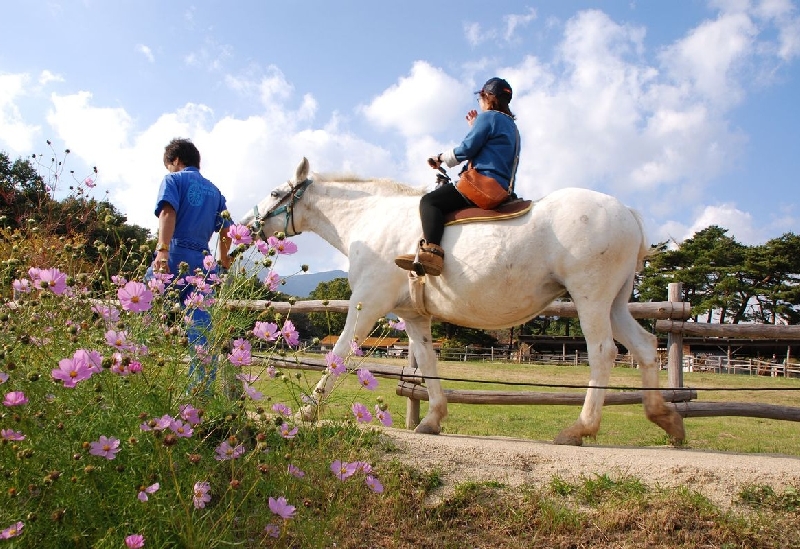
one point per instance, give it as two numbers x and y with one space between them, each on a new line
268 331
252 392
71 371
92 359
283 247
374 484
335 364
134 541
290 333
225 451
10 434
105 447
247 378
281 508
53 280
119 280
287 432
397 325
156 286
209 263
383 416
3 377
152 489
240 357
157 424
239 234
262 247
272 281
12 531
282 409
181 429
272 530
89 182
366 379
355 348
118 339
15 398
22 286
362 466
343 470
361 413
201 495
295 471
198 300
189 414
242 344
135 297
108 313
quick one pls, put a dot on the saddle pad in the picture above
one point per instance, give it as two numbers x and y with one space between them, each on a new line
507 210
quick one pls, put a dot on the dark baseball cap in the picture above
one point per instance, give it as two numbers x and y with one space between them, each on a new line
497 87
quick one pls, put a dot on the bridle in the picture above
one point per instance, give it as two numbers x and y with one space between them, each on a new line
284 206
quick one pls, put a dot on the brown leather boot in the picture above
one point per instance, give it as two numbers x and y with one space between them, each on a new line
428 260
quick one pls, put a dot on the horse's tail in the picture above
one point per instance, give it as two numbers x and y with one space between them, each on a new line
644 246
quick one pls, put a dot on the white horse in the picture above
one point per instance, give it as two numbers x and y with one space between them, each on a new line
496 275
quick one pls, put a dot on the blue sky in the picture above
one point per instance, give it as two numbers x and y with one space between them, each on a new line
686 111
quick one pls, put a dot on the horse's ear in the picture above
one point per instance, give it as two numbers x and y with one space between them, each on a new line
302 171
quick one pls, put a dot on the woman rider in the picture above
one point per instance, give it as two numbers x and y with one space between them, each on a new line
491 147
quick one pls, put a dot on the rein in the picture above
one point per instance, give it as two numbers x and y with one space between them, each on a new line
281 208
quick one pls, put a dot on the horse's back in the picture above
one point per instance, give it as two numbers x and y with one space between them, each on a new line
574 240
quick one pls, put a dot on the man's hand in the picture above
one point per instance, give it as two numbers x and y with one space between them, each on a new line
161 262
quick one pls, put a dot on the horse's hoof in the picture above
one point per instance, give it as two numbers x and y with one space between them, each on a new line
565 438
307 414
677 442
425 429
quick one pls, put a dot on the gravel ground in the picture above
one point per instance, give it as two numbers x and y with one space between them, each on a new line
717 475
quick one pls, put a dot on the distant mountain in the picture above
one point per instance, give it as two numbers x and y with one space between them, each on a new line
303 284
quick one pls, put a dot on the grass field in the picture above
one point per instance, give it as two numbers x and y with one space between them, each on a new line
623 425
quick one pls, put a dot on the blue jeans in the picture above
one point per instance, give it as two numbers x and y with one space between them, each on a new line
198 320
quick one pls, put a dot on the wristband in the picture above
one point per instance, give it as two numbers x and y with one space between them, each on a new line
162 248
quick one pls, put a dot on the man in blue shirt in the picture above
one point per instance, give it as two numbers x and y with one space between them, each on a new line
190 209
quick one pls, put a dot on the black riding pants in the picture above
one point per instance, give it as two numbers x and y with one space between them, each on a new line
434 206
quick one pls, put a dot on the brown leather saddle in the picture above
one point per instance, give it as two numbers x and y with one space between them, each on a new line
506 210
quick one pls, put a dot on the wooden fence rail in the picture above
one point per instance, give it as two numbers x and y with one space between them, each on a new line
669 316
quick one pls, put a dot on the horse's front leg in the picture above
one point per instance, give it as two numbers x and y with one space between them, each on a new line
420 344
360 321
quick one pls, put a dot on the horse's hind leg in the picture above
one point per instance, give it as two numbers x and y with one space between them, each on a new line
642 346
596 326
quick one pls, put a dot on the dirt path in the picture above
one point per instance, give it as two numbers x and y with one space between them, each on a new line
717 475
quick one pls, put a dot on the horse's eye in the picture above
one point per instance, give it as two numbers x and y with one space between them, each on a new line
274 194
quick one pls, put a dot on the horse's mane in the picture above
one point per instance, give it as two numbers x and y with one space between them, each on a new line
385 186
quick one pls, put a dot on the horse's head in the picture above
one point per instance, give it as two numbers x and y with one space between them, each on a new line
277 208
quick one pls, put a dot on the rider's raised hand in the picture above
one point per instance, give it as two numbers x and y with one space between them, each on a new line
435 161
471 116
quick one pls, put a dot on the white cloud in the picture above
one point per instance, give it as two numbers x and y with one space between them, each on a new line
419 104
473 33
740 224
15 133
514 22
45 77
146 51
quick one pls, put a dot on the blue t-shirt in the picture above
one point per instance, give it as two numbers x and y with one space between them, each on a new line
198 205
491 145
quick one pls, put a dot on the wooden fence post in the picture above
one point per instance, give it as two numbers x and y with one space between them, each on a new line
675 343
